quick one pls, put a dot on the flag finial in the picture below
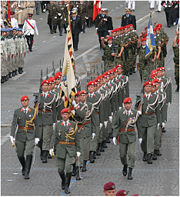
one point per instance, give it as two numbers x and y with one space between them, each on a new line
151 13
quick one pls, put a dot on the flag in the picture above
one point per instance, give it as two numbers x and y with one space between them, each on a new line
150 41
9 10
69 80
96 8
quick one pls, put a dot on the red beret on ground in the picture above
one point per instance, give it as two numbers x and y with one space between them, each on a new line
90 83
127 100
110 38
65 110
147 83
77 94
122 193
23 98
44 81
109 186
143 39
83 92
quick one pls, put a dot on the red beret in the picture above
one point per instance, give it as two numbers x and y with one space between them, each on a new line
115 30
90 83
160 69
23 98
122 27
65 110
109 186
130 25
51 79
127 100
143 39
119 66
58 75
122 193
45 81
155 81
77 94
147 83
83 92
177 41
159 25
154 29
110 38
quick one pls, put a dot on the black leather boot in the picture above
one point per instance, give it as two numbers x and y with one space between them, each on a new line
63 178
94 155
28 166
23 164
163 130
154 157
44 156
91 157
108 140
130 174
145 157
78 178
68 180
104 144
149 158
98 153
74 170
20 70
157 152
125 170
84 166
101 147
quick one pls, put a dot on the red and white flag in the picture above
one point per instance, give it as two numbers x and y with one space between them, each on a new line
96 8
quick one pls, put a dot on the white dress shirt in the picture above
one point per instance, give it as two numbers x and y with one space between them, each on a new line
27 29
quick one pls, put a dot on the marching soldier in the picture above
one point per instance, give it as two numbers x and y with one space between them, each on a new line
60 17
46 119
29 29
52 17
124 131
27 134
103 24
66 140
176 59
94 98
148 122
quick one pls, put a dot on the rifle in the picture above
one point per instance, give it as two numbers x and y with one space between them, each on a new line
47 73
60 68
53 69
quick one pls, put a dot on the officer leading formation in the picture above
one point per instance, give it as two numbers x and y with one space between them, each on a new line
80 133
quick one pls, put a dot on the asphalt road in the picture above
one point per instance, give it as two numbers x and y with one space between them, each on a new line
161 178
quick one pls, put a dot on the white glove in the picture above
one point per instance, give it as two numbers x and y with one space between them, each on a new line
120 108
12 141
51 152
96 28
101 125
93 135
163 124
54 125
36 141
105 123
169 104
114 140
44 10
139 112
158 125
140 140
110 119
78 154
111 113
59 14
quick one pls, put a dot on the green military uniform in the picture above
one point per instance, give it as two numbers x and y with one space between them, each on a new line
46 118
160 61
82 13
83 115
108 58
148 125
123 129
176 62
89 13
95 100
60 17
27 131
66 140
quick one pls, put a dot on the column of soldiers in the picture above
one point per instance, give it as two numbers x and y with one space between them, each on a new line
58 14
124 45
13 50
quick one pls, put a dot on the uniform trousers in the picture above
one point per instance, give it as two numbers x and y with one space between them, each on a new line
30 41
